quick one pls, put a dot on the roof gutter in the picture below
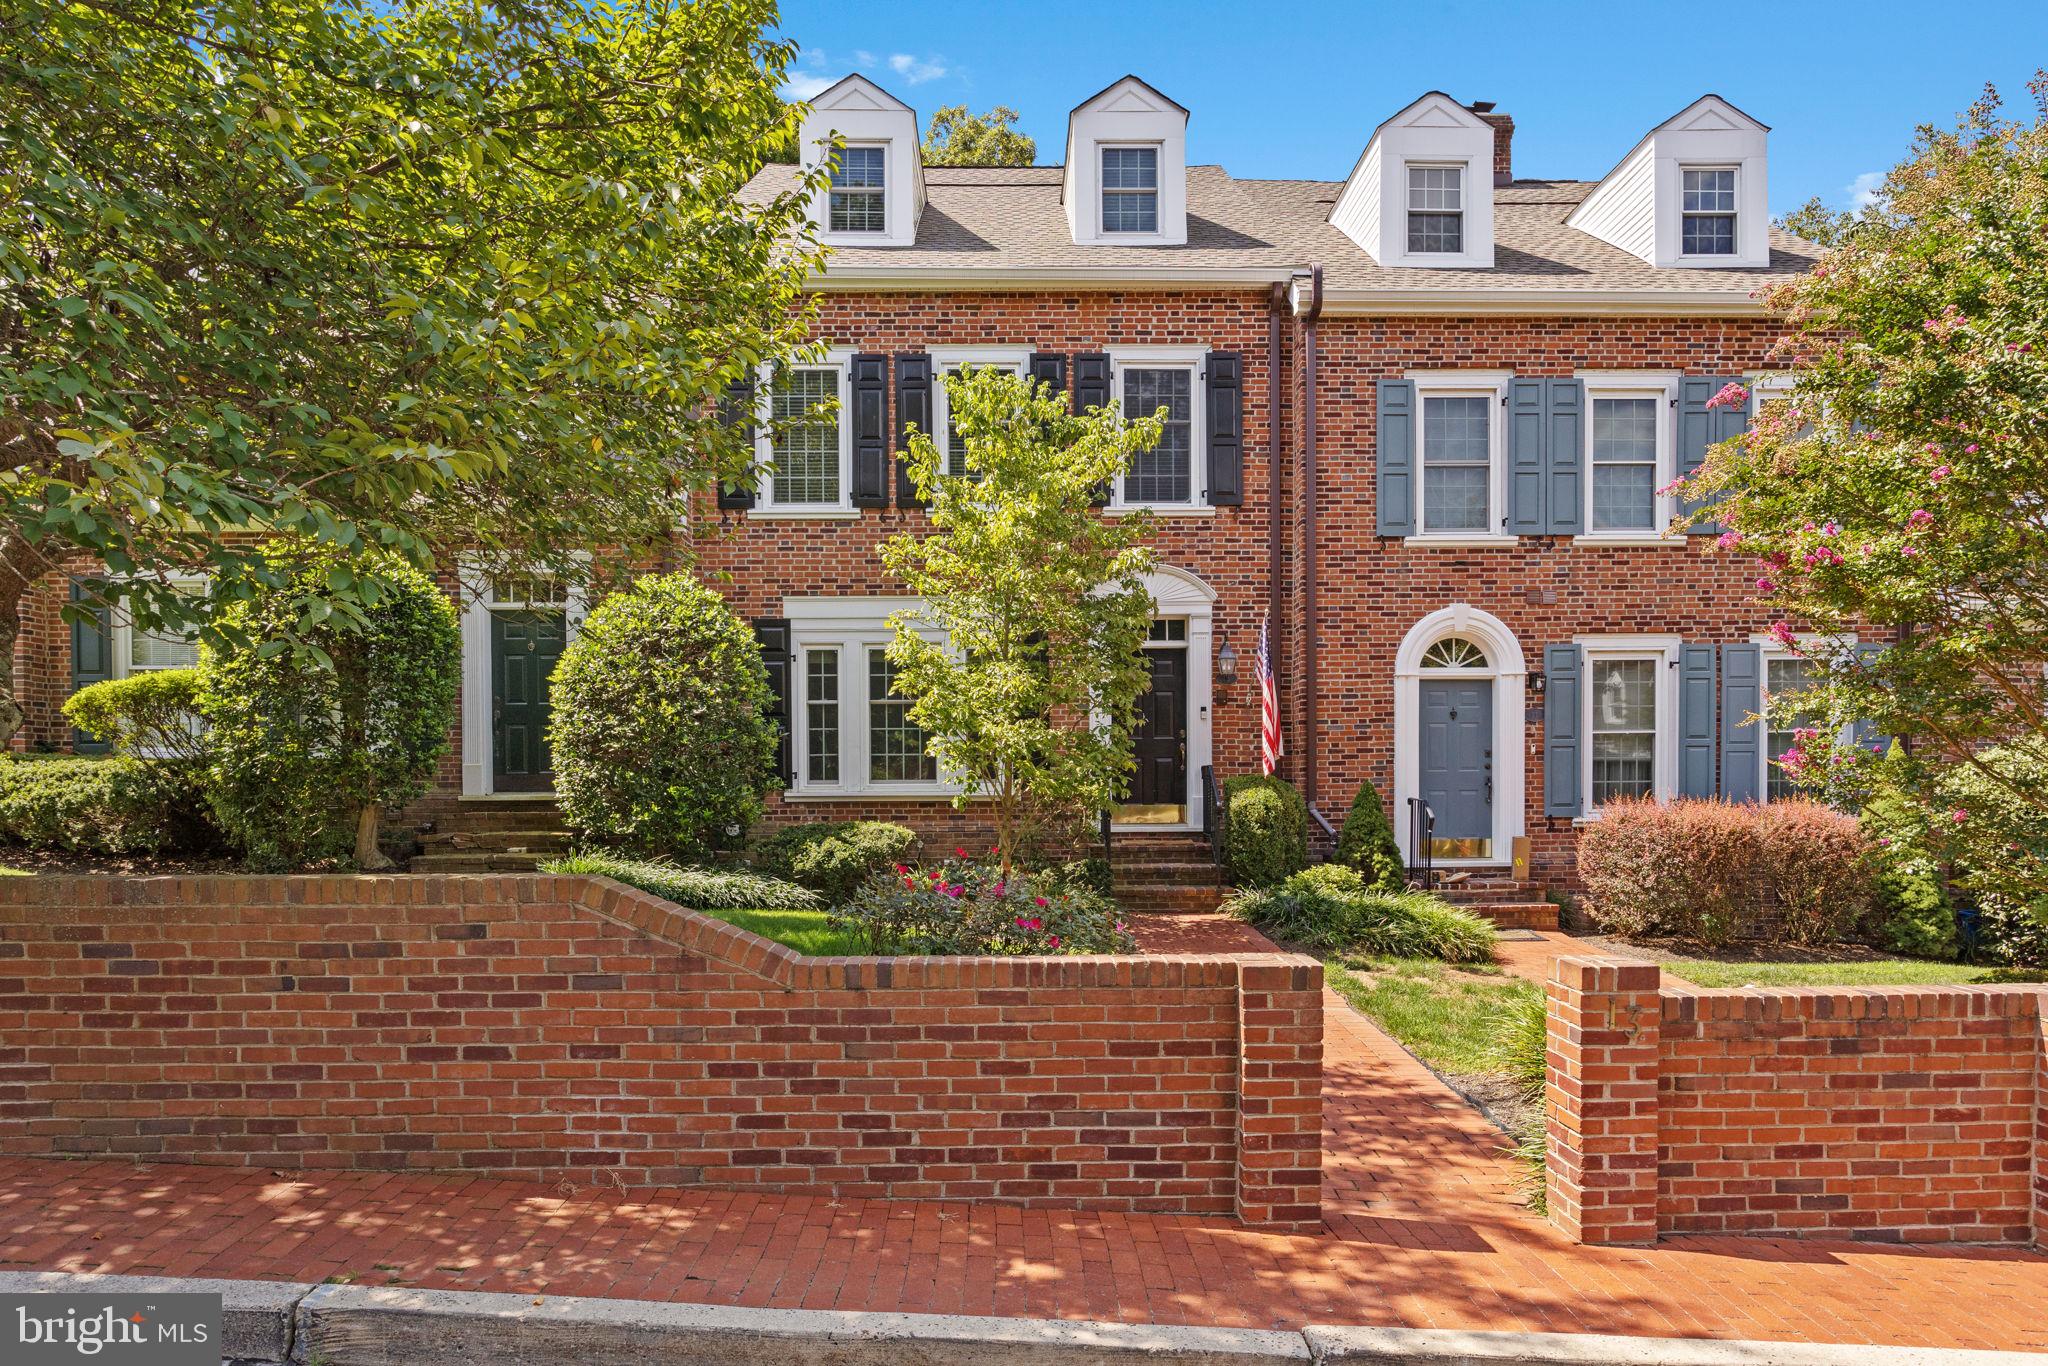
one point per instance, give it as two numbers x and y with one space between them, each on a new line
1309 317
843 278
1586 302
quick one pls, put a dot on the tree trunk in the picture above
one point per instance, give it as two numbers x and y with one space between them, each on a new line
369 857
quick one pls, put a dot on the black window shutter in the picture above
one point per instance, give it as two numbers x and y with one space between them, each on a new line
913 409
92 656
870 431
1091 390
1049 368
736 409
1226 428
773 635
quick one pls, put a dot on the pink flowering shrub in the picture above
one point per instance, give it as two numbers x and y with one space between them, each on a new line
962 906
1713 871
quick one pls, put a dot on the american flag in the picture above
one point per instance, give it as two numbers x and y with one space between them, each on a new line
1270 748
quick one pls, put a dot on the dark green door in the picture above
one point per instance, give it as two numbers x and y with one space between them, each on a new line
524 648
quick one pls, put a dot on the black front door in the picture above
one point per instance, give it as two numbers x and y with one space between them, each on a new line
1161 742
524 648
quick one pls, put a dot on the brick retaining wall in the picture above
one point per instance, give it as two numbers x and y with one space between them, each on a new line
571 1028
1907 1114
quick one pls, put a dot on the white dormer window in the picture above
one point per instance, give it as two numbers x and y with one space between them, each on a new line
860 182
1130 189
1707 222
1436 209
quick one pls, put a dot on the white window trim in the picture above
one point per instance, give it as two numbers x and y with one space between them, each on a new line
1773 648
123 631
1193 359
1102 192
859 235
1742 227
1663 387
852 626
1662 649
1408 209
837 358
1016 359
1488 384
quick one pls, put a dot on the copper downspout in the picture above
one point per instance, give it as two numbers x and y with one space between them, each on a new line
1276 531
1308 543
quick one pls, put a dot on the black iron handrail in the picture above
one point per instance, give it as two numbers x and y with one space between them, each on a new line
1421 844
1214 814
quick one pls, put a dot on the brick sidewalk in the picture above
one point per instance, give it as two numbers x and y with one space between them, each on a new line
1425 1230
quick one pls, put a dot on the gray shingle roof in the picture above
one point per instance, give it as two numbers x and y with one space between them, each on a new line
1011 218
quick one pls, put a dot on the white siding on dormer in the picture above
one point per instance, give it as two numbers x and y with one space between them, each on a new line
1372 208
1357 214
1623 209
1129 113
1638 207
861 113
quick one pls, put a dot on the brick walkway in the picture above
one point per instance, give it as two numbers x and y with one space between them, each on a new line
1425 1230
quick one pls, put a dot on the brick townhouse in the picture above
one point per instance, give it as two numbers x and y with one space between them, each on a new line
1420 419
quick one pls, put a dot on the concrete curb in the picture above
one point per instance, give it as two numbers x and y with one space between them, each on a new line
256 1316
300 1324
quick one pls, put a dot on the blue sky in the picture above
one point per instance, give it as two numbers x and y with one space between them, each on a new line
1280 89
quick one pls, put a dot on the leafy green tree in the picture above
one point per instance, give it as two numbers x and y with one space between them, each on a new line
393 274
1817 223
955 137
1902 490
1023 663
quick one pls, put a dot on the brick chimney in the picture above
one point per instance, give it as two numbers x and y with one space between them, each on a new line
1503 140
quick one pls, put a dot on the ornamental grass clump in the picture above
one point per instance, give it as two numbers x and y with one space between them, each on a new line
1330 909
962 906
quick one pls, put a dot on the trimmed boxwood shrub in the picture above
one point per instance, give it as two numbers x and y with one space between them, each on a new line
1265 830
101 806
833 858
661 735
153 715
704 889
1367 843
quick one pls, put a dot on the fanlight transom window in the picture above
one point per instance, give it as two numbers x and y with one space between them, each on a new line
1454 652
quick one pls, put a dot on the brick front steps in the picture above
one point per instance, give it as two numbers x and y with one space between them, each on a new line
1165 874
499 835
1510 903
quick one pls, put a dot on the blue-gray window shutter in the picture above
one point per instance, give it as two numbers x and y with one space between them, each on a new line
1696 721
1742 740
913 409
1864 733
1091 390
736 409
1225 371
1561 724
870 431
1394 458
92 655
1564 443
1528 463
1050 369
772 633
1700 427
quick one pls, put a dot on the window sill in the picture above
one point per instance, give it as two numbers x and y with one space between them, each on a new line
1445 542
1161 509
803 514
870 794
1613 542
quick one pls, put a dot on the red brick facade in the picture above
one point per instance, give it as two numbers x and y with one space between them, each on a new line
1890 1114
565 1028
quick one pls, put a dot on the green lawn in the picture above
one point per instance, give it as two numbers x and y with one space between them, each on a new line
1448 1017
804 931
1873 972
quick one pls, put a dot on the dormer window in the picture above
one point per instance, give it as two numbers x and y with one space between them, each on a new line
1130 189
859 187
1708 226
1436 209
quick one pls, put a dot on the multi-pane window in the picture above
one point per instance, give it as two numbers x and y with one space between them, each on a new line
955 448
805 447
177 649
858 184
1457 470
1783 676
1436 209
821 716
1707 223
1166 473
1624 728
1625 464
1130 189
896 745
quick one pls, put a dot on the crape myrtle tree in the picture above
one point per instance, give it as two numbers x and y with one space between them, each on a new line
1023 661
395 275
1904 487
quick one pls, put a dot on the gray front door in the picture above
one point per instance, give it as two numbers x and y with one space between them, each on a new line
1457 765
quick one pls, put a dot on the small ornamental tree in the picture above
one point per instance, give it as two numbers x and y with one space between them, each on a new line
661 735
955 137
1023 662
326 706
1901 494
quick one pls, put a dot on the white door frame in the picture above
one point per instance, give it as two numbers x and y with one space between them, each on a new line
1178 593
477 604
1509 672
